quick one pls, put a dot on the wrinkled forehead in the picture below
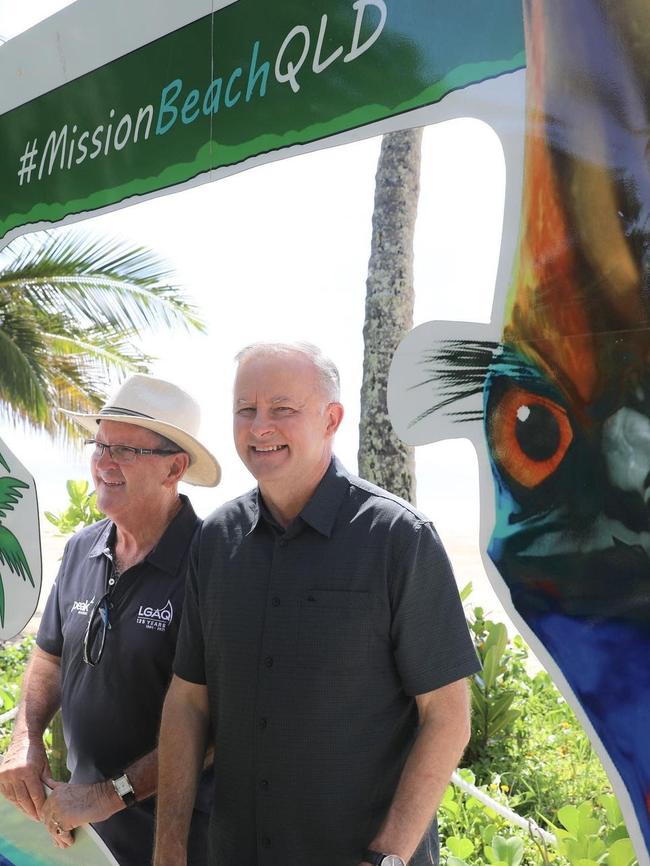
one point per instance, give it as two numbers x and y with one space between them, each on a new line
118 433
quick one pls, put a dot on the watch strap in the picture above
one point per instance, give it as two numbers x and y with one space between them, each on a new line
374 857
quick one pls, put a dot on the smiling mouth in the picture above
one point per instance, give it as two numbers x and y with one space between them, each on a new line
268 449
113 483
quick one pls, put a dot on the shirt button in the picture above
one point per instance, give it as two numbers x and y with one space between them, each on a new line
264 784
263 722
111 581
282 542
268 661
266 842
275 601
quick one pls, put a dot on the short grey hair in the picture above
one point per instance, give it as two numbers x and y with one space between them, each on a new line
326 370
165 443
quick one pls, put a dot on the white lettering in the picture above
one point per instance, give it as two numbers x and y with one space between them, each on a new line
292 68
317 65
360 6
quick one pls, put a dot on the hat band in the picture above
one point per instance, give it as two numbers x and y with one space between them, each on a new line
119 410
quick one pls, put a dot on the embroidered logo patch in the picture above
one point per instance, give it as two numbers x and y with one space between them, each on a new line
157 618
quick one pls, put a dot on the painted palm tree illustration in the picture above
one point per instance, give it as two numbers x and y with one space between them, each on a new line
11 553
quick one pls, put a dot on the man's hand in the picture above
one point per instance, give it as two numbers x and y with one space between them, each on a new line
69 806
22 772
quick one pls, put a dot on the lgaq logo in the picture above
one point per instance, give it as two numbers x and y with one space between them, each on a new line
157 618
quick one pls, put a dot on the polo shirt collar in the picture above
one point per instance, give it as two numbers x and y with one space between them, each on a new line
169 551
321 510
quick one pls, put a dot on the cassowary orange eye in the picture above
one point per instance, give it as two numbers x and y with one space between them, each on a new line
529 436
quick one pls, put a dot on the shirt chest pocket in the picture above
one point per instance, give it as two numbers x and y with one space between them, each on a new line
334 629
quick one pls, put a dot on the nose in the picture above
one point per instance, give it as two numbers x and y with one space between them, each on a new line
262 424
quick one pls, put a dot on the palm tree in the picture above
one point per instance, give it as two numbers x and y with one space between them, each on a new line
383 458
71 306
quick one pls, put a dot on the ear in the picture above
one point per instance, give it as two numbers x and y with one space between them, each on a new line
177 468
334 415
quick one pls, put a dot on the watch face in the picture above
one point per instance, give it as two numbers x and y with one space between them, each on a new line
122 786
392 860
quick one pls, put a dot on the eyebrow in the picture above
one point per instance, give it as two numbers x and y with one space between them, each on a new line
274 401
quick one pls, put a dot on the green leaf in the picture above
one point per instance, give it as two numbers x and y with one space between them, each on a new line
612 809
497 638
460 846
569 818
454 861
617 833
510 850
76 491
621 853
503 722
499 705
490 666
466 591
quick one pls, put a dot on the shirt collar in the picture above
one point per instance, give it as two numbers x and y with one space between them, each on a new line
170 549
321 510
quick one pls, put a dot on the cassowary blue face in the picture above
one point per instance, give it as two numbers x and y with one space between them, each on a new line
572 532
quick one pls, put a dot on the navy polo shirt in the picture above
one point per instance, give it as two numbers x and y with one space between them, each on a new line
111 712
313 642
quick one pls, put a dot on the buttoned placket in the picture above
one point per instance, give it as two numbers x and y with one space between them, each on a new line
273 661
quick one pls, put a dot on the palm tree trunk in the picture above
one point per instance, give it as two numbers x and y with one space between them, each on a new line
383 458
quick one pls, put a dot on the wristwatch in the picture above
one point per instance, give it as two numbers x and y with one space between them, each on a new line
378 859
124 789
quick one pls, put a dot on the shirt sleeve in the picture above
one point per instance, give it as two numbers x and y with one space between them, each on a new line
49 637
431 641
189 662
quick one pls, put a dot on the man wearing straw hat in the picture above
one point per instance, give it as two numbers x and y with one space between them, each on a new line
107 638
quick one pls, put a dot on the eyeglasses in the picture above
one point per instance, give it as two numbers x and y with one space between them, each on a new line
98 625
123 453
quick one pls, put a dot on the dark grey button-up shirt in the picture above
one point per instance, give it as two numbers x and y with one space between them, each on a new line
313 642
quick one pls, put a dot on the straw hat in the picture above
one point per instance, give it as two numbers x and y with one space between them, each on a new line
164 408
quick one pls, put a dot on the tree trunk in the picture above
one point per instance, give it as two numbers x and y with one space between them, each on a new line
383 458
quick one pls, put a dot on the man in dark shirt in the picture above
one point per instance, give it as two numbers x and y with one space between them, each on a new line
106 642
323 645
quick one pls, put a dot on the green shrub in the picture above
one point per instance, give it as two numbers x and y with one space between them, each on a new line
81 511
13 659
529 752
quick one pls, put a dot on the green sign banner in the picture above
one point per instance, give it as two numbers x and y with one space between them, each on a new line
249 80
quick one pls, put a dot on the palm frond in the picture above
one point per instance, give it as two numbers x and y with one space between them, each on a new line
71 311
10 493
93 279
21 380
11 554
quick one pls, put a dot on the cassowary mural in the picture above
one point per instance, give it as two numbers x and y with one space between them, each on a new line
565 390
20 556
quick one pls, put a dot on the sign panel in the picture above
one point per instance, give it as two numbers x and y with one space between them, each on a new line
20 545
250 80
24 842
554 392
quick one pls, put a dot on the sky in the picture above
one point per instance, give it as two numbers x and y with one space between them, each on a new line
281 252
